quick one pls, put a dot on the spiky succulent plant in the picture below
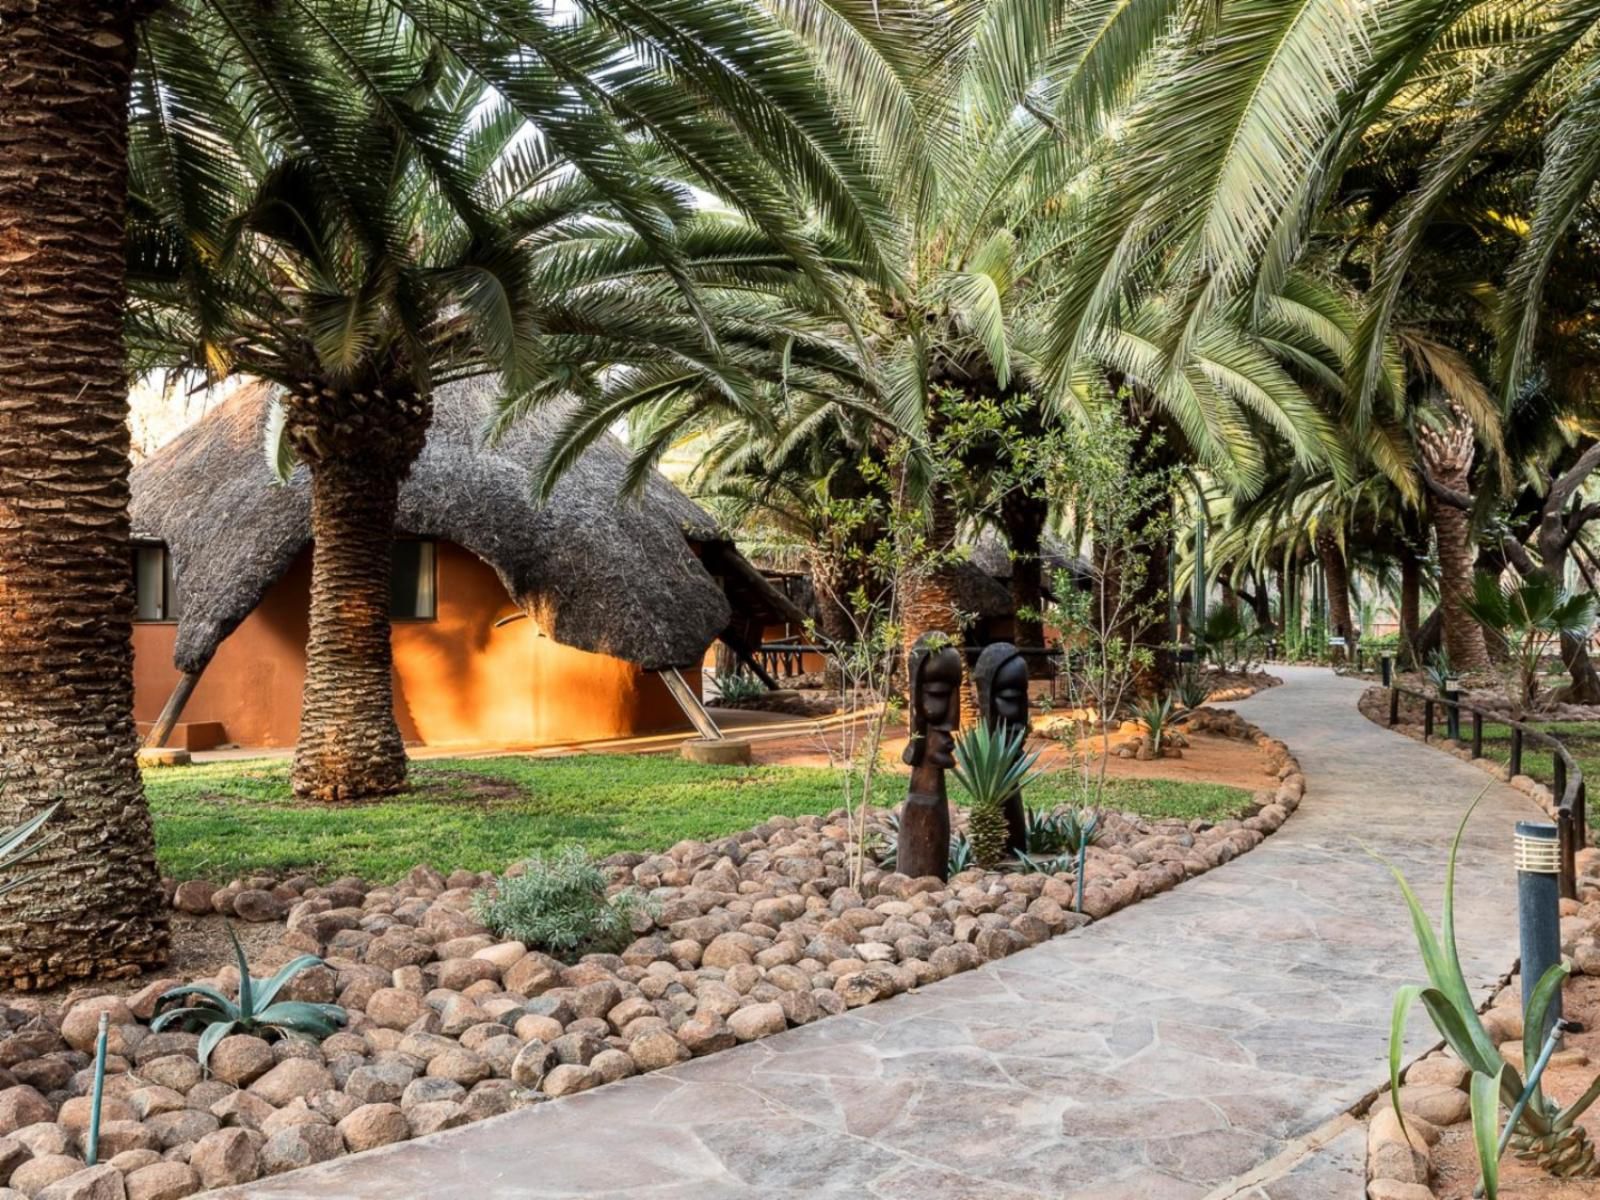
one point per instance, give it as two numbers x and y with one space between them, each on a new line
211 1013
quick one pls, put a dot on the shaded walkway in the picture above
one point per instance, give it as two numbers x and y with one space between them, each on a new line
1184 1048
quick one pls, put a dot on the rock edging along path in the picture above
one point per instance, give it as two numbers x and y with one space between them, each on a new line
1197 1038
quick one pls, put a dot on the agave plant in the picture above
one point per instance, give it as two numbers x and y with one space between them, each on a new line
1159 715
1064 832
1538 1130
1439 670
15 847
992 767
961 854
1039 864
1191 690
215 1016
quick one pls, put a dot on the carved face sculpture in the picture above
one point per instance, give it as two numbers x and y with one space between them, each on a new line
1001 675
935 702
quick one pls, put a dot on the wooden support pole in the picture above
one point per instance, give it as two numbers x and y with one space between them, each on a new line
162 730
1477 734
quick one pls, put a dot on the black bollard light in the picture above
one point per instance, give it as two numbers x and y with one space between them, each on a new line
1537 852
1386 664
1452 715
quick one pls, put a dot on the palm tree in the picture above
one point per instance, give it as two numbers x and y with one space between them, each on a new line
359 205
66 681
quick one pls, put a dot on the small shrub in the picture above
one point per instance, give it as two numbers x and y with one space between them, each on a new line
214 1016
739 689
559 905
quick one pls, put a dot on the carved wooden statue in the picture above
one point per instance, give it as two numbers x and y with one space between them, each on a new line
1001 678
935 668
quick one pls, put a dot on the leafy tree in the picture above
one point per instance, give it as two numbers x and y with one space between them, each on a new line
460 208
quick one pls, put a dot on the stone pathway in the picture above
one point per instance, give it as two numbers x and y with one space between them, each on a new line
1202 1044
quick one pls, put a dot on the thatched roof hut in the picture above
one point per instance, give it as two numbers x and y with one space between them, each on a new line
607 573
992 556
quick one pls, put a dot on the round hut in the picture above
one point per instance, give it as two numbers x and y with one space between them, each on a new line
515 623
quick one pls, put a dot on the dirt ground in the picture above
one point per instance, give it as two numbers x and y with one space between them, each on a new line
1456 1164
200 948
1208 759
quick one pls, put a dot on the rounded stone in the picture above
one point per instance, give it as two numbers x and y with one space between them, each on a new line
291 1078
240 1059
226 1158
374 1125
757 1021
569 1078
33 1176
654 1051
163 1181
300 1146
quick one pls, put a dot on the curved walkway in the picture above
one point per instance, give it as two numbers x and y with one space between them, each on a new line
1202 1044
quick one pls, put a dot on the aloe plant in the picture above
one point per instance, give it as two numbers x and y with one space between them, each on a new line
215 1016
16 845
991 766
1540 1131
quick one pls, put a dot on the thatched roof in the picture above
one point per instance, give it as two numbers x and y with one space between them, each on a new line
611 575
991 554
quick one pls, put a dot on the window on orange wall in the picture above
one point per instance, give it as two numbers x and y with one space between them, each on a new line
155 588
414 585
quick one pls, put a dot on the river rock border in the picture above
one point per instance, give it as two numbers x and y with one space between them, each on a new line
751 934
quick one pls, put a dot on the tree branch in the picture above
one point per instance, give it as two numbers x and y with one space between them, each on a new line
1562 489
1517 555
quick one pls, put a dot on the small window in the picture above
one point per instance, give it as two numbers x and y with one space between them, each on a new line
155 591
413 595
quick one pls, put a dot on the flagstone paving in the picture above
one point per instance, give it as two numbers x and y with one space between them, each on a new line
1202 1044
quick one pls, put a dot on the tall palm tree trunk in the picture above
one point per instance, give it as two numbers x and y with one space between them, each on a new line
360 447
834 580
1410 599
1448 459
1337 573
932 597
1024 517
66 608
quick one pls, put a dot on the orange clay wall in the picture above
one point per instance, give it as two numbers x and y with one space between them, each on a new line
457 679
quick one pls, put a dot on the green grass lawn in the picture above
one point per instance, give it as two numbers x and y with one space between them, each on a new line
1581 738
219 820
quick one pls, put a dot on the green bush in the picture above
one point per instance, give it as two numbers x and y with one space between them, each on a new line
739 689
559 905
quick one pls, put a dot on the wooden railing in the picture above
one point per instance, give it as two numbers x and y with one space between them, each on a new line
1569 789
